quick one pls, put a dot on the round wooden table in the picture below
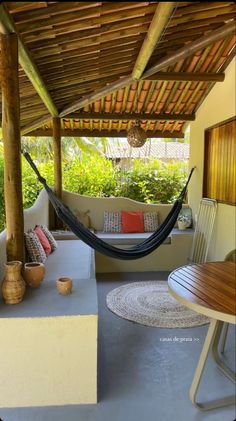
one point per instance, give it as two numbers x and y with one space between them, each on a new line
210 289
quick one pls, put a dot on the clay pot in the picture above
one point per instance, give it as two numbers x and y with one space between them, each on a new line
64 286
13 286
34 273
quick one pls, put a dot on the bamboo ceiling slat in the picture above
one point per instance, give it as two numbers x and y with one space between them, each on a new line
212 22
91 32
63 7
206 14
101 40
88 72
108 13
53 9
89 61
80 47
200 6
107 48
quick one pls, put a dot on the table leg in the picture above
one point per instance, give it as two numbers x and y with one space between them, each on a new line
224 337
215 354
212 336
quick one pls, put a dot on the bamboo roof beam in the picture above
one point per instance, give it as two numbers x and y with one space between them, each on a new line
131 116
107 133
7 26
56 131
187 76
160 19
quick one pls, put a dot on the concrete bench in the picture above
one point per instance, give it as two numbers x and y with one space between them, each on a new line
49 341
172 253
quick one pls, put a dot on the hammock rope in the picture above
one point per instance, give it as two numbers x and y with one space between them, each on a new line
135 252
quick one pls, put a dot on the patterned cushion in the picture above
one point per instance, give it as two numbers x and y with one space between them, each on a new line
49 236
43 240
34 248
112 221
150 221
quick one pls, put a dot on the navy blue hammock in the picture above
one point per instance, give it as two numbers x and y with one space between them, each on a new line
135 252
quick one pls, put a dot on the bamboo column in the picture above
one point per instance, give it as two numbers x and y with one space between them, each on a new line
12 147
57 156
57 162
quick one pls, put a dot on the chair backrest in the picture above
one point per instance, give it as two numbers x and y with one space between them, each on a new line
203 230
231 256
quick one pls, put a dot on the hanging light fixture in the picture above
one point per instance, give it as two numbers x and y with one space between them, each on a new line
136 136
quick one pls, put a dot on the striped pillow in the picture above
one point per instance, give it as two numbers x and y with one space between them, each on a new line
49 236
34 248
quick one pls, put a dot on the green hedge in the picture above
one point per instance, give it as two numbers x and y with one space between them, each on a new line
153 182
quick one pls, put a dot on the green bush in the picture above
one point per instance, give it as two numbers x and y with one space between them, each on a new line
30 184
91 176
152 182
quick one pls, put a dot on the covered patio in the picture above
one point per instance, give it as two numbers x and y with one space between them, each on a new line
96 69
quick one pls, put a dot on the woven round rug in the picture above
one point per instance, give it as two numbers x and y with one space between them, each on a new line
149 303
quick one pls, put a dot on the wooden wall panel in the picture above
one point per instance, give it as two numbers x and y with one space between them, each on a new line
220 162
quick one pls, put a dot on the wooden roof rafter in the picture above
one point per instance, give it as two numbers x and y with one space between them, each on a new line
105 133
131 116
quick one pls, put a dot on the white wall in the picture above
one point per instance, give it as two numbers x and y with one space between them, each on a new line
219 105
37 214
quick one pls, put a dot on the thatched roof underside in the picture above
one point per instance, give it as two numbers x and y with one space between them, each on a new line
81 47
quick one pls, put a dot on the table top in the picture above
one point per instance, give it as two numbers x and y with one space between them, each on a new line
208 288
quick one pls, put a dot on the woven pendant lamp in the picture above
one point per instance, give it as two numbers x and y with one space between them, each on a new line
136 136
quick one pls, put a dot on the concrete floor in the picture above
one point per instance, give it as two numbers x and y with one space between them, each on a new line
142 378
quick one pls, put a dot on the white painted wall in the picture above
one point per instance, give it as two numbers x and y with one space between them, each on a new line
36 214
220 105
48 361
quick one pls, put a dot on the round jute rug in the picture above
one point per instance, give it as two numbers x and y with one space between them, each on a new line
149 303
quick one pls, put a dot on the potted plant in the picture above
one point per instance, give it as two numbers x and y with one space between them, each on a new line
183 222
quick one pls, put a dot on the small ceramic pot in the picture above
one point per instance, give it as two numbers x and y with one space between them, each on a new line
34 273
64 286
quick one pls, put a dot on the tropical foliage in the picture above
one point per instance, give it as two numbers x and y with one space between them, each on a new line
86 171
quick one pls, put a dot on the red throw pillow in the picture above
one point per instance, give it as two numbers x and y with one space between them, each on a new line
132 221
43 240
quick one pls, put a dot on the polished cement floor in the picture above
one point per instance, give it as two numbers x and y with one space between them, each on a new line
141 377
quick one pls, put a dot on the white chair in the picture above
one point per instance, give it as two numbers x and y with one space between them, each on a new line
203 230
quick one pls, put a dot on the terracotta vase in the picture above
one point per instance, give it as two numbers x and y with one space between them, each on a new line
64 286
34 273
13 286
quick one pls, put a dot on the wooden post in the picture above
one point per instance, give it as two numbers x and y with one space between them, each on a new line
57 162
57 156
12 147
